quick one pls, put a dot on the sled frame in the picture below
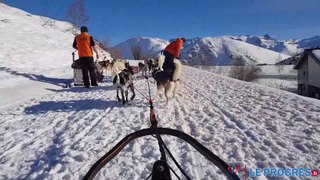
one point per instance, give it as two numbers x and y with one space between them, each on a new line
159 131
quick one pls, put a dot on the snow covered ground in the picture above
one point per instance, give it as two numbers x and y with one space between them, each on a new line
61 134
283 84
282 77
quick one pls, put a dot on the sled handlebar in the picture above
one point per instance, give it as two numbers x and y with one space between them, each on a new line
159 131
73 53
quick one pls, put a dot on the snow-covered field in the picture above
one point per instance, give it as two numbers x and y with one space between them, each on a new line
282 77
51 132
283 84
269 70
61 134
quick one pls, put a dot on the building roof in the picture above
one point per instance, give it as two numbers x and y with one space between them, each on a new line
314 53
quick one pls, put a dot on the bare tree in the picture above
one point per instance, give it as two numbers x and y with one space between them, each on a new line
77 14
238 60
242 72
205 56
150 56
136 52
104 44
278 64
115 53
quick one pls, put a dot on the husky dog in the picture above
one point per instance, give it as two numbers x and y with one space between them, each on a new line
151 65
122 80
106 65
143 68
163 80
99 71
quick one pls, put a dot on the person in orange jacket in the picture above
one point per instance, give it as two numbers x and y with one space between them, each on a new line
171 52
85 45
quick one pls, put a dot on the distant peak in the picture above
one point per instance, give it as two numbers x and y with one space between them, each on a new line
267 36
142 37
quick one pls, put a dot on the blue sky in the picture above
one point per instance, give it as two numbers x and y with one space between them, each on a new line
119 20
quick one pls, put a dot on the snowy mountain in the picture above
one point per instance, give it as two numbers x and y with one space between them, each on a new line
149 46
289 47
225 51
310 42
51 132
208 51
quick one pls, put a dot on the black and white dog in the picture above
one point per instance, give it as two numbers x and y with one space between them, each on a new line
163 79
151 65
123 81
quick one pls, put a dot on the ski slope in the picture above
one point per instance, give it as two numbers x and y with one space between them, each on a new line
60 135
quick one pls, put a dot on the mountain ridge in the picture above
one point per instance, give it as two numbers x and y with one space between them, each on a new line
219 52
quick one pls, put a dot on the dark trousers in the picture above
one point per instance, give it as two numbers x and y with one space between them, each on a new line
88 67
168 65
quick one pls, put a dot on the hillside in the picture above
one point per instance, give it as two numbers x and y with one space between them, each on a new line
33 49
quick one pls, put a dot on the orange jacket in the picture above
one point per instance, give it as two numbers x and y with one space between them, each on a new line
174 48
84 42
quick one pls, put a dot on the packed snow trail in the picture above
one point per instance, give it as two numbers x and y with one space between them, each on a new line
60 135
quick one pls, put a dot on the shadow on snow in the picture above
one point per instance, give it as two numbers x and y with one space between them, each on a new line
73 105
46 161
37 77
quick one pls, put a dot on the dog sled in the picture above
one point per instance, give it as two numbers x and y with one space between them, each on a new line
77 71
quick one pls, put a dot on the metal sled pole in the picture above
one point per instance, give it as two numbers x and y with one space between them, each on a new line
74 70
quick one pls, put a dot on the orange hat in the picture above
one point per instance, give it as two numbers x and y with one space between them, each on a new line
174 48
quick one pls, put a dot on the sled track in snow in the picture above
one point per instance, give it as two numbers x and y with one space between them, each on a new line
231 122
179 115
70 141
58 131
261 147
52 126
